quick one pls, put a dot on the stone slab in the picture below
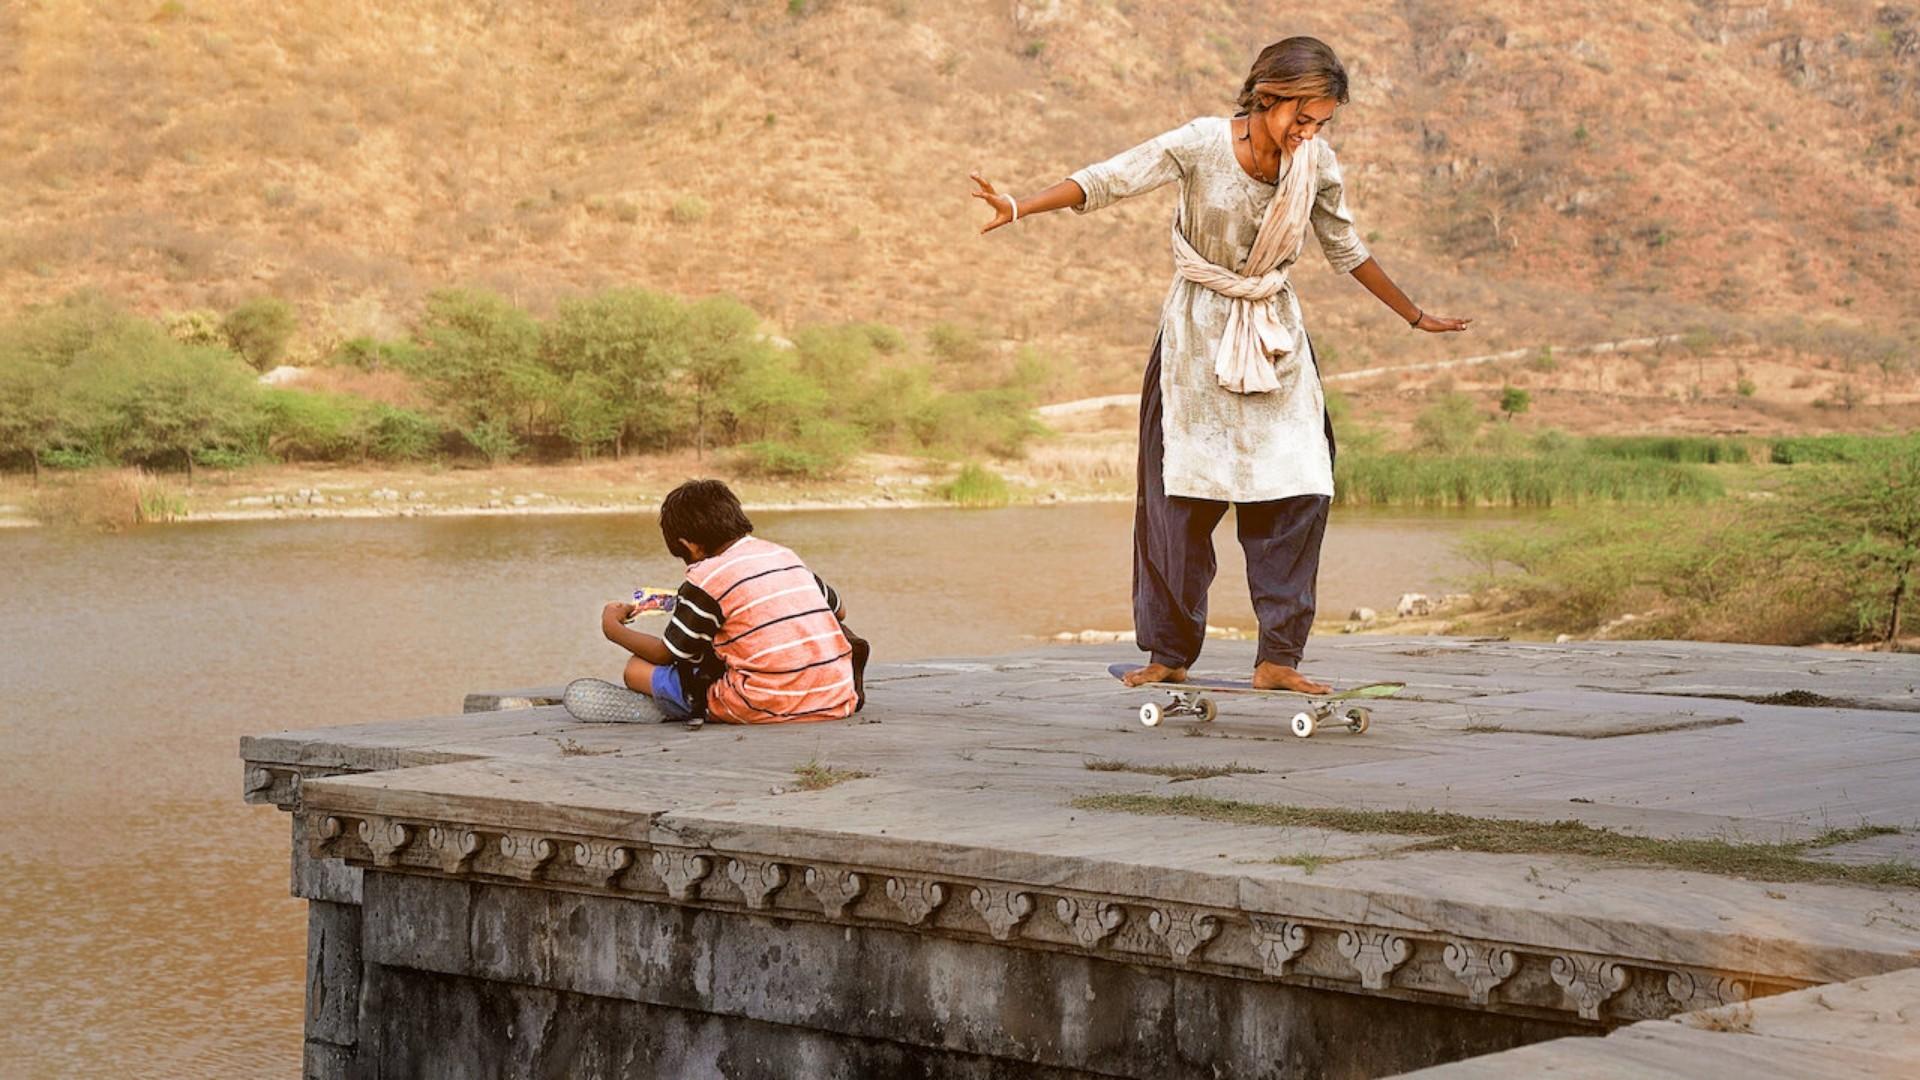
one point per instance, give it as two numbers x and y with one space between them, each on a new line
1864 1028
972 764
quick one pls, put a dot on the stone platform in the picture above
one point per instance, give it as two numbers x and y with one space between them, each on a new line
507 892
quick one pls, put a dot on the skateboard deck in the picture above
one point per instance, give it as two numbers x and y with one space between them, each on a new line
1191 698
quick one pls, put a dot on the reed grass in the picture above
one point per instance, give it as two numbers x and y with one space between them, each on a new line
1831 449
1467 480
1686 449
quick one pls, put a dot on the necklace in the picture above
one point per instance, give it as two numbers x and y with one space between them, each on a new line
1254 156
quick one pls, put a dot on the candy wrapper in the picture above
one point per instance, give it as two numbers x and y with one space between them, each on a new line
647 599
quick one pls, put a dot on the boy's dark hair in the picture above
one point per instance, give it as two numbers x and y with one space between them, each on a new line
704 512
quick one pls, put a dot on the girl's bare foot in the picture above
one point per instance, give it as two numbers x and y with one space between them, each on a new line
1154 673
1268 675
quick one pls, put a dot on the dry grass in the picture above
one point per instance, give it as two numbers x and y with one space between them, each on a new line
1461 832
108 500
814 775
1193 771
181 159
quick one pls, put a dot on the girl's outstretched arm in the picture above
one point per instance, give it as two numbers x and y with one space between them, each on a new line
1061 196
1379 284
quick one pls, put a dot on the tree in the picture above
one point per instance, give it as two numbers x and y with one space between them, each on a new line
1514 401
772 397
482 361
145 396
259 330
30 411
1866 518
631 341
588 411
722 339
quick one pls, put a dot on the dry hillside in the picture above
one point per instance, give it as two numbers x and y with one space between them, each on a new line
1564 171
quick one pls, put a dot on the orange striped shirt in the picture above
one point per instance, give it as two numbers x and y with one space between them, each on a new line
765 628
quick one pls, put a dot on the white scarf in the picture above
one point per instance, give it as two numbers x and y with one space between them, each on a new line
1257 352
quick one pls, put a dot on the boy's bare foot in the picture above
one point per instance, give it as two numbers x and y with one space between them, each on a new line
1268 675
1154 673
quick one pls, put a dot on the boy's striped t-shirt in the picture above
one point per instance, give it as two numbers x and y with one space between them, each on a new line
762 634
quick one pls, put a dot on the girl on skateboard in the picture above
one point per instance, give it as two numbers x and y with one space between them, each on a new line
1232 411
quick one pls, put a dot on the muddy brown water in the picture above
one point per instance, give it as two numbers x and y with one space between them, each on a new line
145 927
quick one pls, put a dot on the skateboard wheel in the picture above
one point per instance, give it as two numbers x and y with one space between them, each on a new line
1150 714
1303 725
1207 710
1357 718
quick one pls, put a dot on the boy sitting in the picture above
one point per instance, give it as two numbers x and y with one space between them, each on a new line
755 638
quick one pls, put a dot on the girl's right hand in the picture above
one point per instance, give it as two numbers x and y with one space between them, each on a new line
1002 205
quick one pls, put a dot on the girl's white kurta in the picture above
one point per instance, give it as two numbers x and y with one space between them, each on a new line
1221 445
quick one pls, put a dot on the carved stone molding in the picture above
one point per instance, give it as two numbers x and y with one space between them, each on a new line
1004 908
1278 941
835 888
605 861
326 837
453 847
757 880
385 839
259 779
1479 966
917 898
1092 921
683 871
526 854
1588 981
1704 991
1185 930
1374 954
1483 972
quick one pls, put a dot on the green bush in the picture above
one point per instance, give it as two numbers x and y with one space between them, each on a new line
688 209
958 346
820 450
225 458
372 354
301 425
259 330
997 422
394 434
69 458
976 486
1826 449
1695 449
1448 426
493 439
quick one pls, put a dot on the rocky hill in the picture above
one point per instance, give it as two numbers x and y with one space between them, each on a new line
1564 171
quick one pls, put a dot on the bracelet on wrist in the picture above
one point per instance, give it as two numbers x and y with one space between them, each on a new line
1015 207
1414 323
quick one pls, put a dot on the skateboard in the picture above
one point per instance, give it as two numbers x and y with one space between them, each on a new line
1191 698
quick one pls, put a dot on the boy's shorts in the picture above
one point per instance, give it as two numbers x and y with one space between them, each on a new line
669 693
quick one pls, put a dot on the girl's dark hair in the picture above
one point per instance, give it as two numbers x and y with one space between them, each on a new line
704 512
1298 67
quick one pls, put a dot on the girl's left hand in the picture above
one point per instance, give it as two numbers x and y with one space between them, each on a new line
1440 324
1001 204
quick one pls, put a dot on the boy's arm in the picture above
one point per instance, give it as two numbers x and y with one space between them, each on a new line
645 646
690 633
834 603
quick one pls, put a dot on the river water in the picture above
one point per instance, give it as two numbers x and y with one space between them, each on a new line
145 927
